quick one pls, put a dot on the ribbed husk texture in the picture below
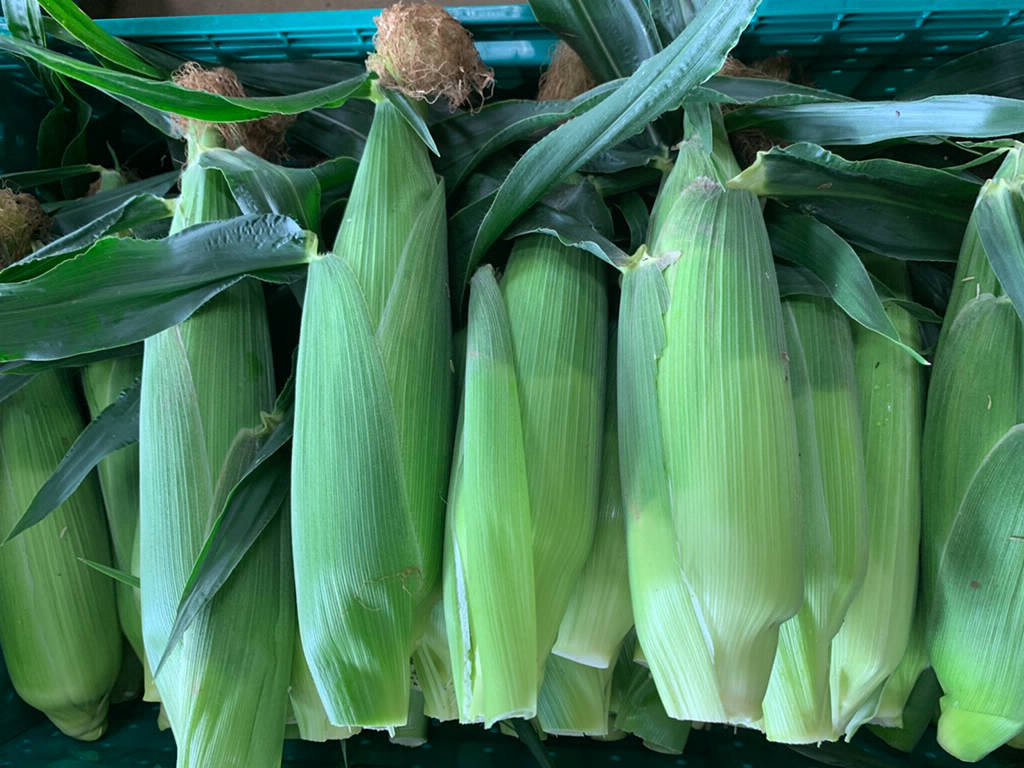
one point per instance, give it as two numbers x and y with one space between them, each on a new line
599 613
708 447
118 474
973 465
797 705
573 699
876 632
373 432
552 311
58 618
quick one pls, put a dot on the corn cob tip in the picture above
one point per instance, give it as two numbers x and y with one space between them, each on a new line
21 221
567 77
264 137
970 736
426 54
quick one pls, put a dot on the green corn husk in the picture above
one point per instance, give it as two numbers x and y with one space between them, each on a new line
977 614
973 445
599 613
58 618
204 386
118 473
1017 742
414 732
373 427
705 405
797 705
558 316
638 708
875 635
916 714
554 300
433 666
311 723
574 698
491 619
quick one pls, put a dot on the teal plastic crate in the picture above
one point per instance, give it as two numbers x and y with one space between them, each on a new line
863 48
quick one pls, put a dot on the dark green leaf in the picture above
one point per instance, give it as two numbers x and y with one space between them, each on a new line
578 217
260 186
869 122
72 215
993 71
11 383
636 215
1000 220
466 139
931 284
672 16
768 92
29 179
808 243
114 573
661 84
799 281
198 105
31 367
339 132
897 209
24 20
138 210
612 37
410 113
121 290
635 152
114 428
92 36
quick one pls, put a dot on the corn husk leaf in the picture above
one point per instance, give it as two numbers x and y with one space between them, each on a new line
58 618
490 594
573 699
116 427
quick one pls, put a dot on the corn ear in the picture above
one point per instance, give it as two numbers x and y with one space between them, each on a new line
599 613
797 706
307 709
489 592
573 699
977 596
558 317
118 474
705 405
204 385
58 618
373 425
433 666
875 635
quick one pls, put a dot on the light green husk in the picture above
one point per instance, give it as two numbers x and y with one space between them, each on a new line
907 675
573 699
204 386
433 666
58 618
554 300
118 474
797 706
599 613
489 594
373 426
638 709
973 460
704 405
306 707
916 713
875 635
